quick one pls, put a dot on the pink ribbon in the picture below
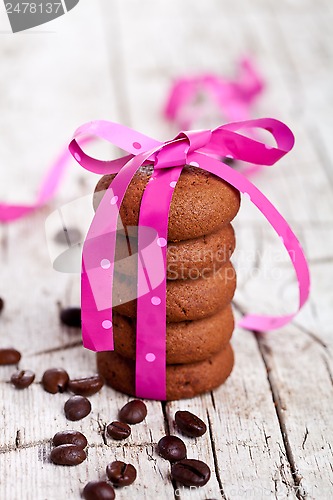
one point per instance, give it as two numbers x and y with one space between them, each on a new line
233 98
200 149
10 212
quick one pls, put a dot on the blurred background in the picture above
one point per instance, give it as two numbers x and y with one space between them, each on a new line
117 60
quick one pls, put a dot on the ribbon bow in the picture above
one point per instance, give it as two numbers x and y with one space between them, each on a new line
198 148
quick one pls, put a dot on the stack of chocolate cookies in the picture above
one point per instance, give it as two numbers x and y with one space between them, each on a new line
201 284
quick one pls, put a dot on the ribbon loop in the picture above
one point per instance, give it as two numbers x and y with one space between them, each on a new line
123 137
197 139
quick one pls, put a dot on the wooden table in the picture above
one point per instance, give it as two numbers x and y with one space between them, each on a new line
270 426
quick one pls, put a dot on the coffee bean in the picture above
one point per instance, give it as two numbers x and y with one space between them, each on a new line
98 490
70 437
190 472
55 380
2 304
86 386
71 316
190 424
77 407
133 412
68 454
172 448
22 379
121 474
118 430
9 356
68 236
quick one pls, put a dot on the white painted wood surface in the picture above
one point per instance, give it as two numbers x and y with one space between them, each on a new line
270 431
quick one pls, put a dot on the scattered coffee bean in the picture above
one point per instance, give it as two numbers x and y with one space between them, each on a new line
70 437
22 379
118 430
55 380
77 407
121 474
172 448
9 356
71 316
2 304
68 454
86 386
190 424
133 412
98 490
190 472
68 236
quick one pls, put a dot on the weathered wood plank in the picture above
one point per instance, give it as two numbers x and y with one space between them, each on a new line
31 317
274 479
30 418
38 82
247 446
270 427
261 30
45 481
299 365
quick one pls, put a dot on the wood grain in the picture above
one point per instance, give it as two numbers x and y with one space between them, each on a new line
269 427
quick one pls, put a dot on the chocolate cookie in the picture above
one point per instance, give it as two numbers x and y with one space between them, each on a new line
186 299
187 341
185 259
183 381
201 202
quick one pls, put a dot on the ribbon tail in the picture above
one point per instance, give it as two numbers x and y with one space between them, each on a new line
11 212
151 303
98 262
89 338
280 226
249 83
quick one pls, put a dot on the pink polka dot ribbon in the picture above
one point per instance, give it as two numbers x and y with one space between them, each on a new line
10 212
233 98
188 99
200 149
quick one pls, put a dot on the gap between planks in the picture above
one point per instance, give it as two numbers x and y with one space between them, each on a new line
266 357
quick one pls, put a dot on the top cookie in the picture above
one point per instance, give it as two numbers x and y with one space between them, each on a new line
201 202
